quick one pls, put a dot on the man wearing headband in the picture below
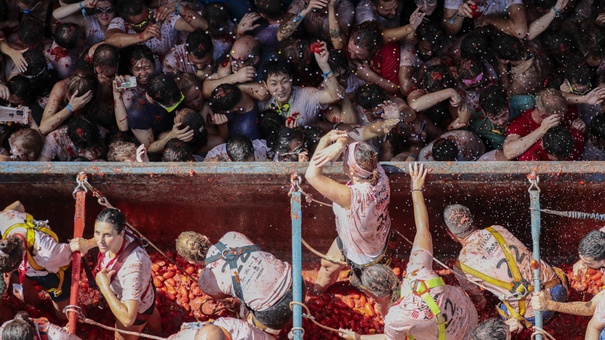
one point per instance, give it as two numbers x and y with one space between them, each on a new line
495 259
360 207
422 305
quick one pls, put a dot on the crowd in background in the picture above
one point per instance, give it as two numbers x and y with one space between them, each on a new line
263 81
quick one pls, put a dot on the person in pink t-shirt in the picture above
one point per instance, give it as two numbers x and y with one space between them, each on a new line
361 206
262 283
422 306
494 259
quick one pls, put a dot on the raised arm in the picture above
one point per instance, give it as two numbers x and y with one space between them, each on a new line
399 33
71 13
324 153
515 24
333 92
515 145
423 238
541 24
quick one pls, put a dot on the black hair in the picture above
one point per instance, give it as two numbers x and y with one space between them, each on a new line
370 96
475 45
20 328
398 138
106 55
469 68
239 148
493 100
82 132
579 74
36 63
367 35
507 47
137 52
593 245
176 150
432 33
218 16
69 35
276 67
225 97
114 217
272 9
269 122
560 46
195 121
283 138
130 8
491 329
30 32
558 142
596 130
3 10
338 63
163 89
199 43
20 87
444 149
438 77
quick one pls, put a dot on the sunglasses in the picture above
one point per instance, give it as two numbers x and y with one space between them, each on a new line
144 23
28 11
106 10
241 61
174 106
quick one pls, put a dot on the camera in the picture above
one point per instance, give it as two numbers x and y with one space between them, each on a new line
14 114
130 82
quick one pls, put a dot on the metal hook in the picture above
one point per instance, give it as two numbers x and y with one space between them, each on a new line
81 180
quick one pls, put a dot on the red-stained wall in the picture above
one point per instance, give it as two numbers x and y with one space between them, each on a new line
163 200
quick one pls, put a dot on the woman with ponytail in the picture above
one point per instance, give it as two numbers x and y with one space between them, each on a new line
422 305
360 206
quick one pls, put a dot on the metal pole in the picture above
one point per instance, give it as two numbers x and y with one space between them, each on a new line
534 196
295 201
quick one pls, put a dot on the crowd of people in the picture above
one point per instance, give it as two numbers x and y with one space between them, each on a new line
314 81
264 80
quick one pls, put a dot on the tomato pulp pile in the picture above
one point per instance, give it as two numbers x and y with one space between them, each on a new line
179 299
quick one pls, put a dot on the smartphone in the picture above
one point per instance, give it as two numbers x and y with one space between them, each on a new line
13 114
130 82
